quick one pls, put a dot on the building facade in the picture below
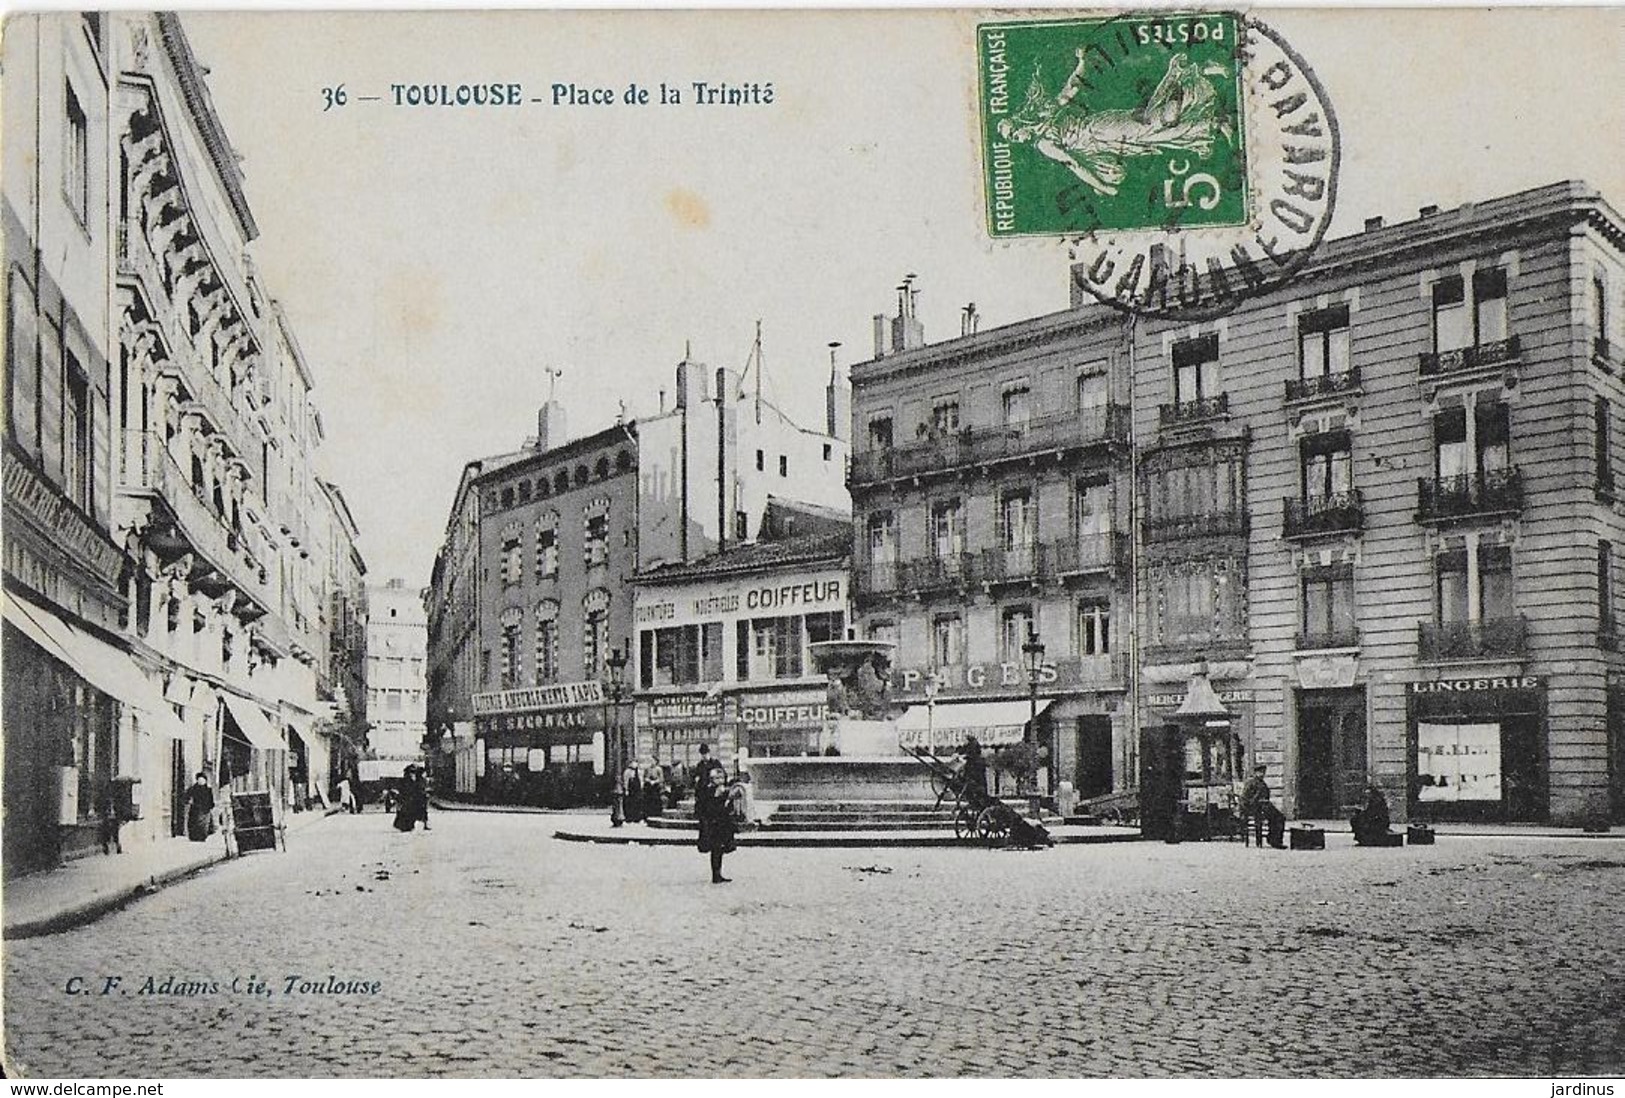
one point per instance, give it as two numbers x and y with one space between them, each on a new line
397 680
1379 504
723 654
69 729
991 507
160 436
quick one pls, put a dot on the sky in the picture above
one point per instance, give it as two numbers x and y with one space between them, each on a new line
436 262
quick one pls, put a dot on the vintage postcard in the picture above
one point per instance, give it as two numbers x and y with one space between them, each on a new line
1034 544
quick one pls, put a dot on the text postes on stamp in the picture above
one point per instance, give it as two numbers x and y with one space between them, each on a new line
1191 159
1127 123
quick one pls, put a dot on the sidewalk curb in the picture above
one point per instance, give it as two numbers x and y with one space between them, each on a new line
825 840
100 905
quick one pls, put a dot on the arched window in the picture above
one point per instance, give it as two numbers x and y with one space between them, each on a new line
543 488
601 470
623 461
561 482
507 497
581 475
524 491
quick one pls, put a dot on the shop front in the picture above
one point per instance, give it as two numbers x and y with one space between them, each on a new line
544 745
1476 750
671 729
778 722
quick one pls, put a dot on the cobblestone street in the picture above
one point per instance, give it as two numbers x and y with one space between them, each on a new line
499 950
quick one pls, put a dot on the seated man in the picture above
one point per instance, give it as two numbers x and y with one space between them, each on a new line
1371 821
1257 806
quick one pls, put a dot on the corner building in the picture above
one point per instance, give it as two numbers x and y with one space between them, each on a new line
1380 504
991 494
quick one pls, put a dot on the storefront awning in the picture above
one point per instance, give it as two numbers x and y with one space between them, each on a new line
104 667
946 724
251 719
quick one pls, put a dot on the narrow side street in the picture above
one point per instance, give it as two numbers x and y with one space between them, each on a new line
497 950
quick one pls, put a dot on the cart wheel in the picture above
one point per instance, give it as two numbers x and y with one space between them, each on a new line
992 826
964 822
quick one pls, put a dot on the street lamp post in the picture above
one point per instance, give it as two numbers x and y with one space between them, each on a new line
1033 649
616 748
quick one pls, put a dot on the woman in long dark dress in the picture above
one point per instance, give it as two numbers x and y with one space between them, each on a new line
406 816
713 811
199 808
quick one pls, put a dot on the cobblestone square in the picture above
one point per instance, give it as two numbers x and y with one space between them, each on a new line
499 950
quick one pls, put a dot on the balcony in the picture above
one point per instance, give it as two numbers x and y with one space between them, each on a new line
940 453
1211 525
876 578
1103 552
1336 638
1194 411
1015 564
1496 353
1318 516
149 469
1471 495
1309 388
948 570
1490 638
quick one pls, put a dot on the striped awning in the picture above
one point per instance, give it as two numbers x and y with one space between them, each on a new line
947 724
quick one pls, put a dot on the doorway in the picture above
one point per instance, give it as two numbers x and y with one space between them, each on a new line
1093 776
1331 765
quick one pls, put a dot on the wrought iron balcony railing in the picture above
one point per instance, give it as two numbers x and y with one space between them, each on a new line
1304 388
1086 553
974 445
1194 411
1443 499
1335 513
1434 363
1212 524
1489 638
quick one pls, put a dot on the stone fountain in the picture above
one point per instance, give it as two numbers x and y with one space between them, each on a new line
860 723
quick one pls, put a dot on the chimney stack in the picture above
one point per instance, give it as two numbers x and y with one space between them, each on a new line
550 429
837 400
1373 223
1429 210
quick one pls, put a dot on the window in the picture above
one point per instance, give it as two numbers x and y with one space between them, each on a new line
547 642
947 640
594 634
1196 369
1487 450
561 482
77 467
600 469
524 491
741 526
547 546
1495 583
1015 622
882 537
784 465
507 497
828 450
1016 519
513 559
1323 343
1092 392
883 631
1328 464
1328 606
947 529
1094 628
76 157
825 627
1451 573
711 652
595 539
761 461
1456 324
945 416
880 433
677 656
1092 508
508 654
1605 587
742 651
1015 406
1198 601
777 648
1599 303
1605 463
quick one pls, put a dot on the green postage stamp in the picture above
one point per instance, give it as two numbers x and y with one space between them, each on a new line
1122 123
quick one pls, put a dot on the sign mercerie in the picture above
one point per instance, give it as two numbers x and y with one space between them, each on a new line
808 592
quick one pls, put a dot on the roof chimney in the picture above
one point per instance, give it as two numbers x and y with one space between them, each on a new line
550 429
1373 223
1429 210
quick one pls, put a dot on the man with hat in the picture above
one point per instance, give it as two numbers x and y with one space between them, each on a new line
1257 806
